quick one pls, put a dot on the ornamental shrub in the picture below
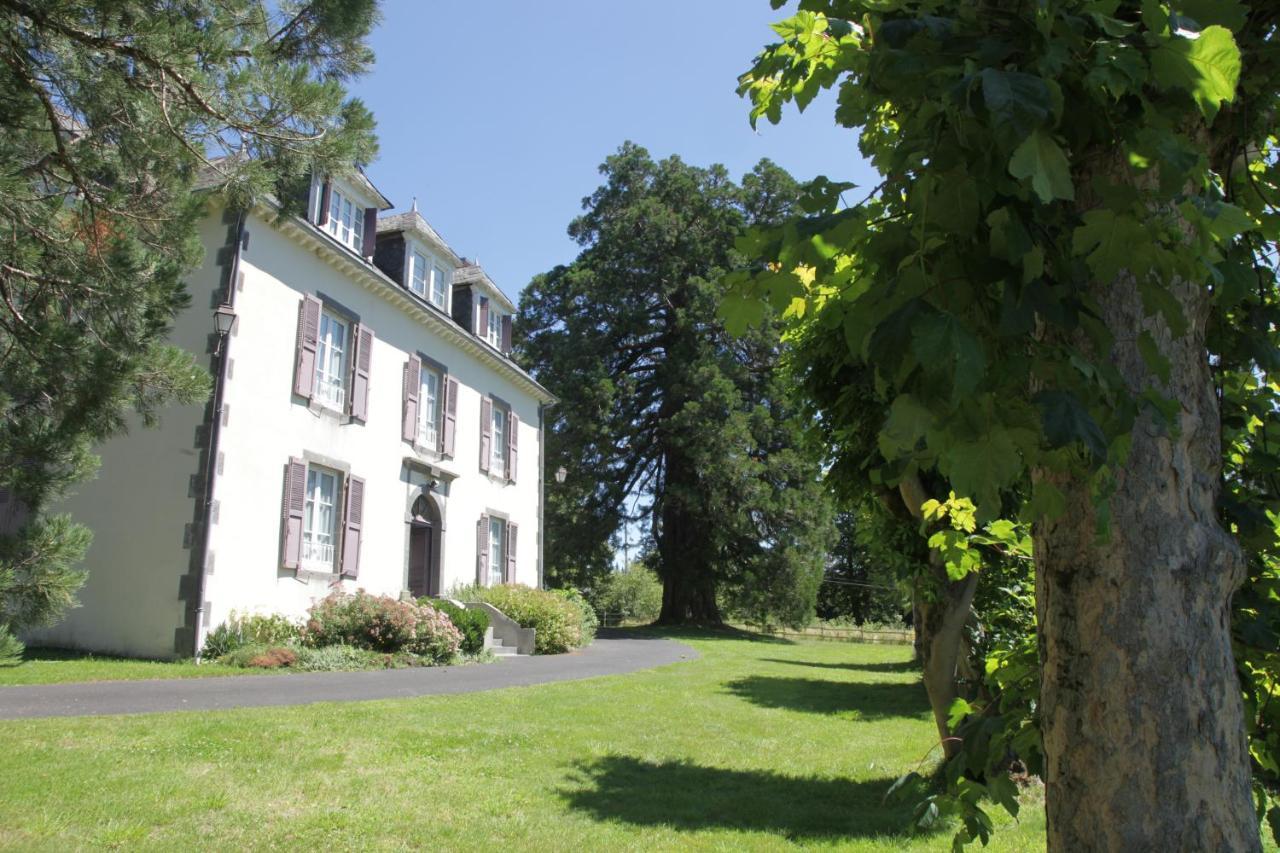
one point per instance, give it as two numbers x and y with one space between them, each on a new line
382 624
472 623
336 659
435 637
559 622
240 631
586 613
273 658
633 593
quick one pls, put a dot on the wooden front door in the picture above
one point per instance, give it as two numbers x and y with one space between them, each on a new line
421 580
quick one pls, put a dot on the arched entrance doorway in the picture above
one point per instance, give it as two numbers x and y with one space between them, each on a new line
424 548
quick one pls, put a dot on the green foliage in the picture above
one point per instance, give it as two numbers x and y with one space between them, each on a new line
11 648
1032 159
382 624
942 98
257 630
631 593
112 110
587 618
560 623
38 574
663 417
471 623
352 659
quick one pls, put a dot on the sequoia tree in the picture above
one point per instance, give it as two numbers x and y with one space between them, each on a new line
109 109
1075 196
661 409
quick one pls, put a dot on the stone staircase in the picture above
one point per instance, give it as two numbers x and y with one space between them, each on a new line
499 647
504 636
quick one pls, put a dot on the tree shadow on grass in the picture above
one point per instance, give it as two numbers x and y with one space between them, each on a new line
883 666
866 701
690 797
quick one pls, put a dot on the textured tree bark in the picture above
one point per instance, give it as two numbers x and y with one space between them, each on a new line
940 609
939 643
688 584
1141 713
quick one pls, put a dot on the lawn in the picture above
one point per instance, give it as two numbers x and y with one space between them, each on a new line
57 666
756 745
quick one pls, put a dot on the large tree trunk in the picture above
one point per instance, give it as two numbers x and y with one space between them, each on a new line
1141 713
688 582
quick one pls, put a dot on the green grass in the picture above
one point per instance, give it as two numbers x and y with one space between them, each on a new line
756 745
59 666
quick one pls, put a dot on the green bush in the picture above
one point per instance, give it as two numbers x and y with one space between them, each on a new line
472 623
338 659
380 623
587 614
558 621
633 593
243 655
240 631
11 648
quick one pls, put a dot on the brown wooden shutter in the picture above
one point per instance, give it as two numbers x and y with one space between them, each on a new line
304 374
361 360
510 572
412 384
450 426
513 440
353 523
370 232
483 329
506 333
486 433
295 497
482 550
325 191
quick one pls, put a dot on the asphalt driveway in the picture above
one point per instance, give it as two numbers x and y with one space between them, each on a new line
611 654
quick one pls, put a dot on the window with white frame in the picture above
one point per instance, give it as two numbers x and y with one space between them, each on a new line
498 444
497 549
332 347
494 333
320 518
419 273
346 220
429 403
439 286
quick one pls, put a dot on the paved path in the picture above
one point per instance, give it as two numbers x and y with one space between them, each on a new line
611 654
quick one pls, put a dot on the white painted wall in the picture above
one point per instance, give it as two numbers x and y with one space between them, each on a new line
140 504
267 424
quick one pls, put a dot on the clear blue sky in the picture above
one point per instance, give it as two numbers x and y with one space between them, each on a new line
497 115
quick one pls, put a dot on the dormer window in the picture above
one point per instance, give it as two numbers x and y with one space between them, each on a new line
346 220
428 278
494 333
341 213
419 273
439 285
493 328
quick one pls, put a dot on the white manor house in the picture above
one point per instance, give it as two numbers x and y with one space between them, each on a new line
368 429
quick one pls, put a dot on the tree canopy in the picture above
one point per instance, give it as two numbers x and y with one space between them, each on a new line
109 110
1062 290
658 402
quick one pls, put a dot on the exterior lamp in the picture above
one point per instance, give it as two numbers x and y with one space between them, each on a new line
224 320
561 473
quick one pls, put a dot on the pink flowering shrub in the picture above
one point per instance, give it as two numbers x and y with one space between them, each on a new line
381 624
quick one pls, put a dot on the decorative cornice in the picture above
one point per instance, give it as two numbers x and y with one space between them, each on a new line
373 279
